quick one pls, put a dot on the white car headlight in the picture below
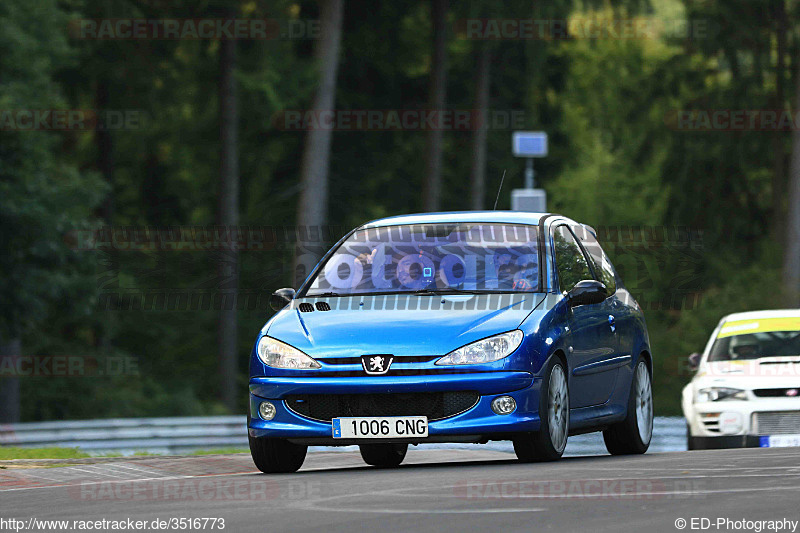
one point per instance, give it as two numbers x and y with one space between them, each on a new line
278 354
485 350
718 394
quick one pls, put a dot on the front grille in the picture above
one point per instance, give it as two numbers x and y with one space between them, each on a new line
434 405
398 359
777 423
776 393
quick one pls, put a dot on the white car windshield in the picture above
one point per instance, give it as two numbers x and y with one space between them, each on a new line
754 339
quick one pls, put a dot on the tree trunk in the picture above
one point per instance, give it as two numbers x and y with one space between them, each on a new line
479 136
105 163
105 151
312 208
791 258
778 166
431 188
228 217
9 386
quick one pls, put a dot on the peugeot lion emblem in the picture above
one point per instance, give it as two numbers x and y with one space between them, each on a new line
376 364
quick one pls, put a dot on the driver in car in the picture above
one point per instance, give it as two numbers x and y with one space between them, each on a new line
745 351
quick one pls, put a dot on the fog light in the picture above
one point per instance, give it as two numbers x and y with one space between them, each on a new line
266 410
504 405
731 423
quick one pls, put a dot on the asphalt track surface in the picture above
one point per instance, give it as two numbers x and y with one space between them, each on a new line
434 490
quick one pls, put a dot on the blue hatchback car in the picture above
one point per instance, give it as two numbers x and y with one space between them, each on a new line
453 327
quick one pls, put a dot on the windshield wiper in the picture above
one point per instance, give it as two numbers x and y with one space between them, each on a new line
434 292
418 292
323 294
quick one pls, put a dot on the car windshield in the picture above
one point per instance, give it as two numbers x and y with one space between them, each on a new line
470 257
754 339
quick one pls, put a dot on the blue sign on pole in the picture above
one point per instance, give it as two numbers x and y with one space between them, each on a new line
529 143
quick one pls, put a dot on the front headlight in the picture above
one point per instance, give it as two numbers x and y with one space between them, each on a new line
718 394
484 351
278 354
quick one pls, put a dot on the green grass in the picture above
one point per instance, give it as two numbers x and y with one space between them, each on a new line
11 452
220 451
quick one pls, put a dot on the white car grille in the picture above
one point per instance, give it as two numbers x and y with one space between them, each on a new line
776 423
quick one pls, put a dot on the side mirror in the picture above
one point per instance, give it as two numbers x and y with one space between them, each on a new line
281 298
587 292
694 360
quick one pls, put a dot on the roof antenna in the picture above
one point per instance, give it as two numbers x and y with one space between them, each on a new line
498 190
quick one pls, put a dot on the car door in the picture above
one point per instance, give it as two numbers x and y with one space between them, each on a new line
593 339
621 315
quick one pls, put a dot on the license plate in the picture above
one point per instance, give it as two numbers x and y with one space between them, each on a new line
780 441
380 427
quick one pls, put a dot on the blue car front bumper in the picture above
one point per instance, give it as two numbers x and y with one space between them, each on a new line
477 423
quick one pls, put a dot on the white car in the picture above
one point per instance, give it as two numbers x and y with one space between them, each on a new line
746 392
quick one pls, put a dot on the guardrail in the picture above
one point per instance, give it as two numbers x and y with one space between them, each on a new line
176 435
130 435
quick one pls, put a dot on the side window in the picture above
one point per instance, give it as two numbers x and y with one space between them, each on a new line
602 265
570 261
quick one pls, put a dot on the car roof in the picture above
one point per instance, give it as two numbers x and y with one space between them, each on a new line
502 217
770 313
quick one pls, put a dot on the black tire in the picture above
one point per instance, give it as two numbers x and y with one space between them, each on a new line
623 438
690 441
273 456
539 446
383 455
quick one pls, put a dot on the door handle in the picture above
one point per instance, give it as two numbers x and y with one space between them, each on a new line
612 323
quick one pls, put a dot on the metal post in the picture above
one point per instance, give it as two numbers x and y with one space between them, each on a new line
529 184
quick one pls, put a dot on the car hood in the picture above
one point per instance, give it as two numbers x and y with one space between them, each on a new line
398 325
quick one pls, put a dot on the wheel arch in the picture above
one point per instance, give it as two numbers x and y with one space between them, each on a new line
559 354
648 358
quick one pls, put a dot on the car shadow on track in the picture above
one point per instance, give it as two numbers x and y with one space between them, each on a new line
456 464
